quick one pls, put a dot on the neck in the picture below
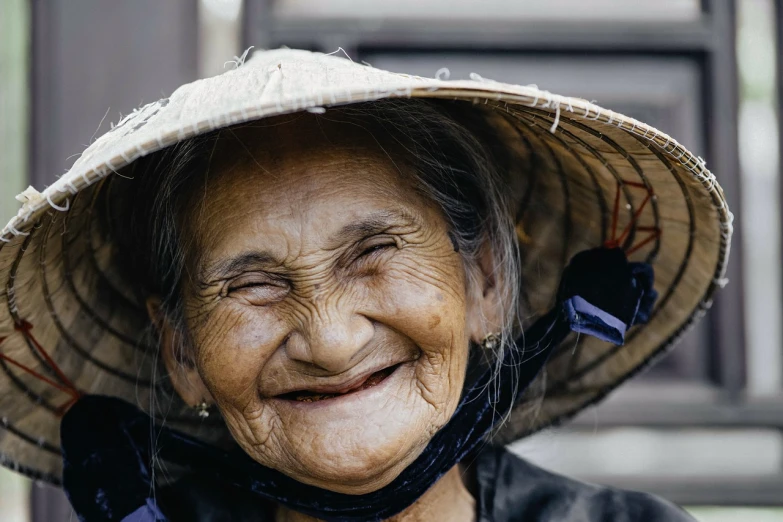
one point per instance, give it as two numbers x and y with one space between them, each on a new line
448 499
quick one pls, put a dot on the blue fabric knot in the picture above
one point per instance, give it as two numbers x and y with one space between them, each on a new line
603 294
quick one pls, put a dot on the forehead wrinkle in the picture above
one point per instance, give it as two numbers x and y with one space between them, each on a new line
298 180
292 232
215 221
374 223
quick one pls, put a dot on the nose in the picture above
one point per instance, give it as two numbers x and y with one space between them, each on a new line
332 341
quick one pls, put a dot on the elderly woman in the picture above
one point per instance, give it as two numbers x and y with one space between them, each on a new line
309 289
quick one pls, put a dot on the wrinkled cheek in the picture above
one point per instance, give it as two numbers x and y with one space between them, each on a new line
441 370
231 376
249 419
433 316
257 430
232 350
231 354
440 382
443 361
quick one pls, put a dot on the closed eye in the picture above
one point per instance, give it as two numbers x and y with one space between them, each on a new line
372 254
249 282
376 248
257 289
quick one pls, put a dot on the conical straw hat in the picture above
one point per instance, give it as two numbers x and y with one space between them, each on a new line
63 297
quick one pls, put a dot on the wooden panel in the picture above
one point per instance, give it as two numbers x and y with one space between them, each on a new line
94 58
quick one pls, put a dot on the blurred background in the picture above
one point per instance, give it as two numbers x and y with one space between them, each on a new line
704 427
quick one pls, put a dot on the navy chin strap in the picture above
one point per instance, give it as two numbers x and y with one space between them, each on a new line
107 442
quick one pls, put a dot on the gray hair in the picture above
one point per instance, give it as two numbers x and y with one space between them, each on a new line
459 164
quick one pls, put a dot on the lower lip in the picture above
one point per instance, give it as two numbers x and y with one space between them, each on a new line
358 394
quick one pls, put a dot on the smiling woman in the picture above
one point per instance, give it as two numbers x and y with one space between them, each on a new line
288 314
311 287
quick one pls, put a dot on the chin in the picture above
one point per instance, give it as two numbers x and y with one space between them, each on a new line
357 477
353 460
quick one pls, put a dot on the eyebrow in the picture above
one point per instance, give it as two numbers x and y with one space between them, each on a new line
373 224
241 263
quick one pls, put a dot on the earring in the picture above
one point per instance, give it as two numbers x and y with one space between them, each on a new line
491 341
202 409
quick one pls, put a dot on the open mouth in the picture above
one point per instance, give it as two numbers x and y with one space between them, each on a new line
310 396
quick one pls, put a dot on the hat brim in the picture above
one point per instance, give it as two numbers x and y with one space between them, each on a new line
579 160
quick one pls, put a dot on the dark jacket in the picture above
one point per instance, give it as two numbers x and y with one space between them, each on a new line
509 489
513 490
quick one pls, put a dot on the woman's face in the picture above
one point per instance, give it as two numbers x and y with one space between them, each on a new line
327 306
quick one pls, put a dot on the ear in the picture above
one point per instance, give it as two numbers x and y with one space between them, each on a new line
485 298
185 379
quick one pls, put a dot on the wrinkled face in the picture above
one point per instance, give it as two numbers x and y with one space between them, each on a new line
327 313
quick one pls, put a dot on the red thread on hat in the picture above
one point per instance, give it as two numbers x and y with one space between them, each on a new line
67 386
614 240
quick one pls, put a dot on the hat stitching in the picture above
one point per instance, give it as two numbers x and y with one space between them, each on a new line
58 207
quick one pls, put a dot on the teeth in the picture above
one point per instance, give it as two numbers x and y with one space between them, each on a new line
313 398
373 380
